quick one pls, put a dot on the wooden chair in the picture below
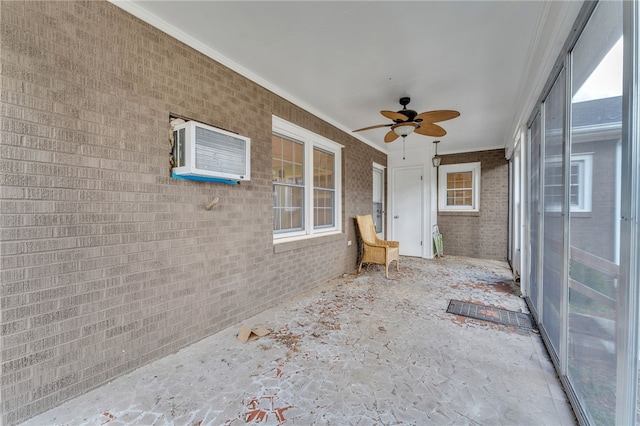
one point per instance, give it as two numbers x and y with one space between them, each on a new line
374 249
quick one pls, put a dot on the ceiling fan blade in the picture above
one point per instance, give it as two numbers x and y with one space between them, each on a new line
438 115
390 137
395 116
374 127
430 129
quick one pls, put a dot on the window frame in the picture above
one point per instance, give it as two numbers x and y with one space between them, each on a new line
585 183
311 141
446 169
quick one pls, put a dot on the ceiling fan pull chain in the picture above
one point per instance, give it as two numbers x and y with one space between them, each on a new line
403 148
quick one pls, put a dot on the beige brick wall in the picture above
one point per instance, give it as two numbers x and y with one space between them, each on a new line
484 234
106 262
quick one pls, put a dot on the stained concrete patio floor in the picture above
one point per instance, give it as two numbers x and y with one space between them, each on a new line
358 350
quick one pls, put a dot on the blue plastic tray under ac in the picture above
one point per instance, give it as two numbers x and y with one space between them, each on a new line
204 179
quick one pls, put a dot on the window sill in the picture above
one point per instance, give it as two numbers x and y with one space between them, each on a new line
580 215
297 243
472 213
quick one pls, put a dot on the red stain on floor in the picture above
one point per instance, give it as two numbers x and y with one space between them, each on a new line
260 408
499 287
280 413
489 313
109 417
477 302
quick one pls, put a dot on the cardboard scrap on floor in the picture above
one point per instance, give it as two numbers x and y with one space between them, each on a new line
246 334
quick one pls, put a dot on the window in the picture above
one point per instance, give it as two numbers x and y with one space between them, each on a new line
459 187
324 189
580 184
288 184
306 182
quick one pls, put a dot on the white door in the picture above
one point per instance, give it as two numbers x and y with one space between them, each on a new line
407 211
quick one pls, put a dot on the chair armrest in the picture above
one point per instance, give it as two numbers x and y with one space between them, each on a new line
376 244
386 243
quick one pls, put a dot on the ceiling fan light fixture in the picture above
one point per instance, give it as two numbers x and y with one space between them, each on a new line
404 129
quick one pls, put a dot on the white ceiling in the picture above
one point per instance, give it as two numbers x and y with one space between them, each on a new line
344 61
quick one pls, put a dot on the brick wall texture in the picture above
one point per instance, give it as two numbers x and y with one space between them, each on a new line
484 234
106 262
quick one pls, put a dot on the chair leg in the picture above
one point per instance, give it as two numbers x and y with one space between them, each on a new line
386 271
360 267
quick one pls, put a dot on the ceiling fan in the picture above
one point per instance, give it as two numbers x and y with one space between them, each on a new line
407 121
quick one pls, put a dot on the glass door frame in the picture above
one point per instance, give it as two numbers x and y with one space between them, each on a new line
627 374
378 168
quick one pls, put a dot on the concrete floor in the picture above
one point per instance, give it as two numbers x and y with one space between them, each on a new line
358 350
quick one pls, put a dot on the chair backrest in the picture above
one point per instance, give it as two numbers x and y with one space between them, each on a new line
367 229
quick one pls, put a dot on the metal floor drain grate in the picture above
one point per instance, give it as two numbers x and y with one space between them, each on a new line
489 313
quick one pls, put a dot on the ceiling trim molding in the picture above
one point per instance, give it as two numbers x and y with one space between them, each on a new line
140 13
554 26
525 90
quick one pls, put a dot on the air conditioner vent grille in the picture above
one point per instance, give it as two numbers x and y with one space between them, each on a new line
219 152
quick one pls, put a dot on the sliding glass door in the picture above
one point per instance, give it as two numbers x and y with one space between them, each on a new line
553 210
534 215
584 202
594 191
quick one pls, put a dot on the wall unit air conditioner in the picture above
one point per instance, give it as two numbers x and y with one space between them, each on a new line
203 152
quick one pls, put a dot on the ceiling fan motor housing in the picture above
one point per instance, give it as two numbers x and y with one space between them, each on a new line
409 113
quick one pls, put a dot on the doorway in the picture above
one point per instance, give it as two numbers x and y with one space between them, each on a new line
407 209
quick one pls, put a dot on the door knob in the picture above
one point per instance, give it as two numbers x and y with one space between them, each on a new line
396 217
